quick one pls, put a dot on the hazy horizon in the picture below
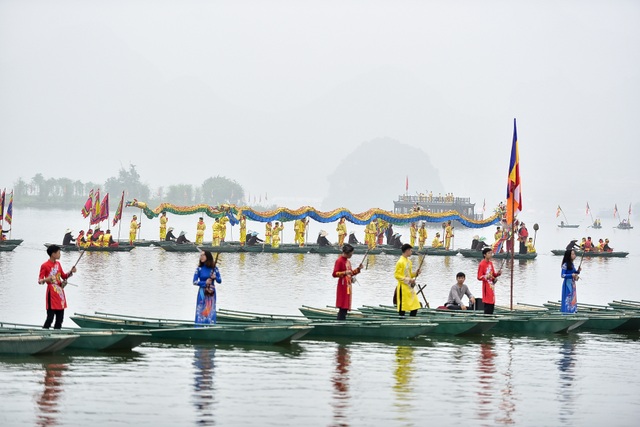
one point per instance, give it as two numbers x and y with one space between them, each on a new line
276 94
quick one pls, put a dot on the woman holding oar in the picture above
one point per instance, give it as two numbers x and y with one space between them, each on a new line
569 302
205 277
344 272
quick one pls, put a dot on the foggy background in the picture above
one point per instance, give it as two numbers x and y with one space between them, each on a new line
277 94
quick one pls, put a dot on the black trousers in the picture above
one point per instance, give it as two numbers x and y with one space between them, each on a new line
412 313
488 308
59 314
342 314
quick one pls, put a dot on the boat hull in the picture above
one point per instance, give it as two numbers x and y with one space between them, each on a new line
593 254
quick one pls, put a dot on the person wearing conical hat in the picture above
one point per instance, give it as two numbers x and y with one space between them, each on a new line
163 225
436 243
322 239
68 238
275 234
422 236
200 228
342 231
133 229
170 237
182 238
268 228
243 230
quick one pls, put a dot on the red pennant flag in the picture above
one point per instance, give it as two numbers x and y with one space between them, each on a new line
86 210
118 216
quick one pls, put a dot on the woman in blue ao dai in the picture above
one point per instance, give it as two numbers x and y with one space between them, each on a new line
205 277
569 301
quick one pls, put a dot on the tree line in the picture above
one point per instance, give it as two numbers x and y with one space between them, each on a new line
64 192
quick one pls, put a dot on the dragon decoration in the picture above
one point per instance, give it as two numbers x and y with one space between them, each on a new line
285 214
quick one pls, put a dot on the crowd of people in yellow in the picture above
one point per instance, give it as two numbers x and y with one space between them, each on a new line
589 245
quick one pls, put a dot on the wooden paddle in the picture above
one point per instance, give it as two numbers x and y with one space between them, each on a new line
64 282
420 288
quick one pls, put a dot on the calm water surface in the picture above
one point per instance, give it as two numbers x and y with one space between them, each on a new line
578 379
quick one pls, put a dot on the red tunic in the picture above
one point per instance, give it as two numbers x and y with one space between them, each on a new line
343 292
55 298
485 269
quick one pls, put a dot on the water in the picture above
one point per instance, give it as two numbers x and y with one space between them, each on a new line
573 380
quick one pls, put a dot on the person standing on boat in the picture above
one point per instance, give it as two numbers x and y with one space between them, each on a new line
299 227
163 225
448 234
223 228
569 301
413 233
268 228
68 238
405 293
52 274
488 276
342 231
200 228
275 234
243 230
422 236
133 229
344 272
523 234
370 235
217 233
205 277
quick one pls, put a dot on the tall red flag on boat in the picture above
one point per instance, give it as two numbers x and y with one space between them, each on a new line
86 210
514 190
406 184
104 209
9 216
118 216
2 203
95 211
615 210
558 211
587 208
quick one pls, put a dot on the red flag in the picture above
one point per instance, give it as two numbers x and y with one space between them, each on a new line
104 209
615 210
2 202
86 210
406 185
9 216
118 216
587 208
95 212
558 211
514 190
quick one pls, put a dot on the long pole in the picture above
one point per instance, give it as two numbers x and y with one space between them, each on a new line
513 205
140 224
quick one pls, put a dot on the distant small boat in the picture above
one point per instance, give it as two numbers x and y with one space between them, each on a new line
74 248
472 253
563 225
590 254
624 226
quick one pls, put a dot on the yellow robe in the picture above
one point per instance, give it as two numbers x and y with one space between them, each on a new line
223 227
243 231
448 234
163 227
267 233
133 230
370 235
106 238
405 294
275 236
200 227
436 243
217 232
530 248
413 233
422 237
299 228
342 232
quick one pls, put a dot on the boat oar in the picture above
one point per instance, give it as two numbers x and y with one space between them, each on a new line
64 282
364 258
420 288
535 234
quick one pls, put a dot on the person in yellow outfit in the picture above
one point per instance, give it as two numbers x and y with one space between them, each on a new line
498 235
133 229
413 233
422 236
437 243
406 296
448 234
217 232
267 233
243 230
163 226
107 239
275 234
371 233
200 228
342 231
299 227
223 227
530 248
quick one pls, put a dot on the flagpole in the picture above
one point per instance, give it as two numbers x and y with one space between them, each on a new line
513 215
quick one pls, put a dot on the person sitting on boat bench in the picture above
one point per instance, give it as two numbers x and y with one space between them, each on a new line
606 246
68 238
182 238
477 244
170 237
322 239
352 239
252 239
459 290
397 243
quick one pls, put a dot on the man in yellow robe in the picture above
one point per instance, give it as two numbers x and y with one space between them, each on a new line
437 243
275 234
406 296
413 233
448 234
299 227
243 230
370 235
133 229
217 227
223 228
422 236
530 248
200 228
342 231
268 228
163 226
498 235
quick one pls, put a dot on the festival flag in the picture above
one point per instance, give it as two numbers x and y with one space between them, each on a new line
514 191
484 205
118 216
615 210
406 184
95 211
104 209
558 211
86 210
587 208
12 199
2 203
9 216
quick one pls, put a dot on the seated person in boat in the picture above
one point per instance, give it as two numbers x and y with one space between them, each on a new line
457 292
252 239
583 243
600 246
606 247
80 241
88 238
68 239
477 244
395 241
182 238
97 233
170 237
588 245
352 239
322 239
436 243
530 248
107 239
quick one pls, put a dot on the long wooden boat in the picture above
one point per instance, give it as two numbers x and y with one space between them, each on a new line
96 339
568 225
74 248
598 319
445 325
7 248
184 247
472 253
624 226
34 344
142 242
187 331
11 242
591 254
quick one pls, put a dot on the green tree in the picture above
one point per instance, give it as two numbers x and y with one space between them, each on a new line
129 181
219 190
181 194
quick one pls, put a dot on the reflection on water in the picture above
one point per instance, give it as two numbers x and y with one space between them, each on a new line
507 404
340 382
486 372
566 389
203 385
403 386
48 400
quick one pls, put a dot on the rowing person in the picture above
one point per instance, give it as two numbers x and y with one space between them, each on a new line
405 293
68 239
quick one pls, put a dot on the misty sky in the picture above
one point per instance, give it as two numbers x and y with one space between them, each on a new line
275 93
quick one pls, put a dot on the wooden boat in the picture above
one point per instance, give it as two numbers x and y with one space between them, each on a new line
600 319
141 242
568 225
7 248
624 226
74 248
97 339
471 253
184 247
444 325
34 344
592 254
11 242
186 331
